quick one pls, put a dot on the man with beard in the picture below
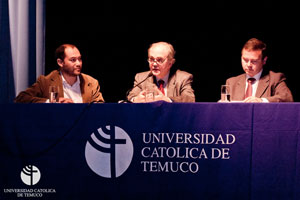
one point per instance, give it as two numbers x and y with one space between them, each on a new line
73 86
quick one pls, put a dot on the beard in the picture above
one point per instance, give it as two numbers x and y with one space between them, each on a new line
72 71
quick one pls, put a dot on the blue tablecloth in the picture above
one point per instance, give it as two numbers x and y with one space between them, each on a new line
150 151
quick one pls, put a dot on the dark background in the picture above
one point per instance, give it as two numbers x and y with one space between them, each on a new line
113 38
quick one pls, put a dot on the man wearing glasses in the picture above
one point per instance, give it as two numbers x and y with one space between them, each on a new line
168 85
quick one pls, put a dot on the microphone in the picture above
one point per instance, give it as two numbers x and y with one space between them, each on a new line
128 91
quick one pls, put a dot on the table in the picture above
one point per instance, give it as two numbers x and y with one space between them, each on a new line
150 151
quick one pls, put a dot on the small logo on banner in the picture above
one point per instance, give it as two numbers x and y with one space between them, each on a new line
109 151
30 175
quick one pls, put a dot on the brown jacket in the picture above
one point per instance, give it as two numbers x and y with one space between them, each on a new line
271 86
178 86
39 91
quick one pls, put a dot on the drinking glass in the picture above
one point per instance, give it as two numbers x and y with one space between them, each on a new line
53 94
150 94
225 93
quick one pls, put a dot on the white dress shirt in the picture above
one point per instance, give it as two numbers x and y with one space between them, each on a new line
72 92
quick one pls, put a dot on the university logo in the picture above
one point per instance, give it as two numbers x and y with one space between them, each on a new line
30 175
109 151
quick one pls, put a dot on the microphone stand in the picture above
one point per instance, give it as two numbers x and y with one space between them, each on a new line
128 91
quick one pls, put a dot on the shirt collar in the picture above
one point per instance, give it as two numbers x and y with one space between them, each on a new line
257 76
165 78
67 84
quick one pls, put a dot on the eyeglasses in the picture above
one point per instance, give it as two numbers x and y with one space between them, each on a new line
157 60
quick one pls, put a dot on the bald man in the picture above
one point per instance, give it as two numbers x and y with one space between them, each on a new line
169 85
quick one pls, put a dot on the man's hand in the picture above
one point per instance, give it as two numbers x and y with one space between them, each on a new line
253 100
140 98
161 96
65 100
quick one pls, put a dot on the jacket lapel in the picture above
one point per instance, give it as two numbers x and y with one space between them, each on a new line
56 80
171 85
85 90
150 81
240 89
263 84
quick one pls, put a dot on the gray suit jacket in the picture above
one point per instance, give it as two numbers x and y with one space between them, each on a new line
179 86
39 91
271 86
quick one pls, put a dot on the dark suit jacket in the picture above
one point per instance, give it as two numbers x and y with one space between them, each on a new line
271 86
178 86
39 91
